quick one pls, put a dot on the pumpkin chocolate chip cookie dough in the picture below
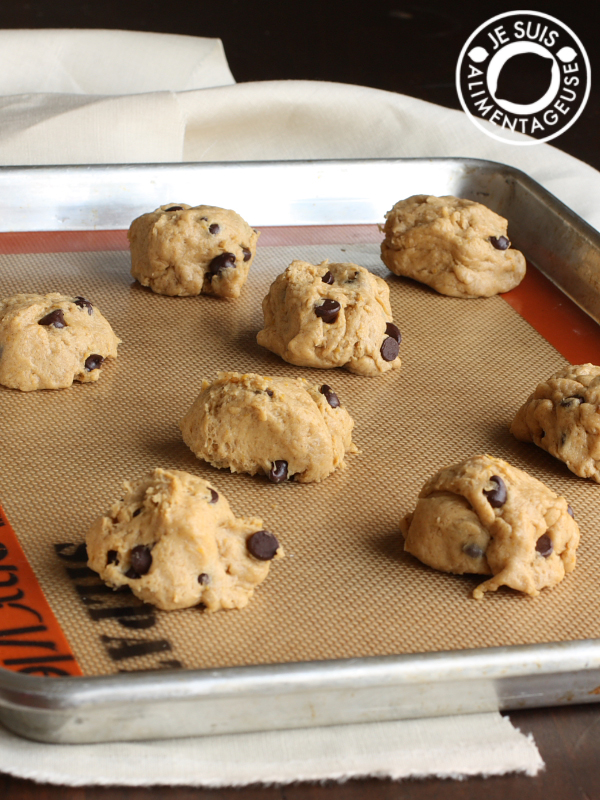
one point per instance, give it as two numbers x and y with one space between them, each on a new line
49 341
458 247
175 542
284 428
561 416
180 250
331 315
486 517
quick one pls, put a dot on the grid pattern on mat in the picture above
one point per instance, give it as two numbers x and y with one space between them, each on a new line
345 588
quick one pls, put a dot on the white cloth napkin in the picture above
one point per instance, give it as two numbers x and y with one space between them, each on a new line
447 747
83 97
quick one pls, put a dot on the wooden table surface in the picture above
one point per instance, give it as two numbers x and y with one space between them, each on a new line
406 47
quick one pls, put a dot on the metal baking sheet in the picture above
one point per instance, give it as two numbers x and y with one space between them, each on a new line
191 702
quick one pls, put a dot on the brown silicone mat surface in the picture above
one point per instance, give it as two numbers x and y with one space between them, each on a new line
345 588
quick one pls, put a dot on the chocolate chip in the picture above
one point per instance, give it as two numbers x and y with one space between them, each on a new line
544 545
279 472
112 557
221 262
262 545
203 579
136 512
573 400
500 242
247 254
94 362
213 496
204 219
270 392
543 433
56 318
141 561
214 228
353 278
389 349
497 496
570 511
393 331
473 550
330 396
328 278
328 311
174 208
83 303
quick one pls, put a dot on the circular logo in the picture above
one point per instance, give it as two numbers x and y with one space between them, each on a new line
523 71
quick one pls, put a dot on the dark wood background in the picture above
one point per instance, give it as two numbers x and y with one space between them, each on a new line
406 47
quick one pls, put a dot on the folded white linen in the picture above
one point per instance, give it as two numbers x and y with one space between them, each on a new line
109 62
447 747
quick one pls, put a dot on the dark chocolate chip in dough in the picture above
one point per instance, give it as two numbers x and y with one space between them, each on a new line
141 561
221 262
214 228
500 242
55 318
203 579
279 472
247 254
389 349
83 303
270 392
137 512
544 545
330 396
262 545
174 208
328 311
328 278
213 496
393 331
112 557
496 497
574 400
94 362
473 550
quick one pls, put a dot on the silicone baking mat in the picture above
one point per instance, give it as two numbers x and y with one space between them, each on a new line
345 588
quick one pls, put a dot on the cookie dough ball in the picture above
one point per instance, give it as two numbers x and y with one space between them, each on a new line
458 247
331 315
175 542
562 417
180 250
49 341
282 427
486 517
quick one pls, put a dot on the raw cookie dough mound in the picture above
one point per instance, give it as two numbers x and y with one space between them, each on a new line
175 542
458 247
49 341
486 517
331 315
562 417
180 250
283 427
